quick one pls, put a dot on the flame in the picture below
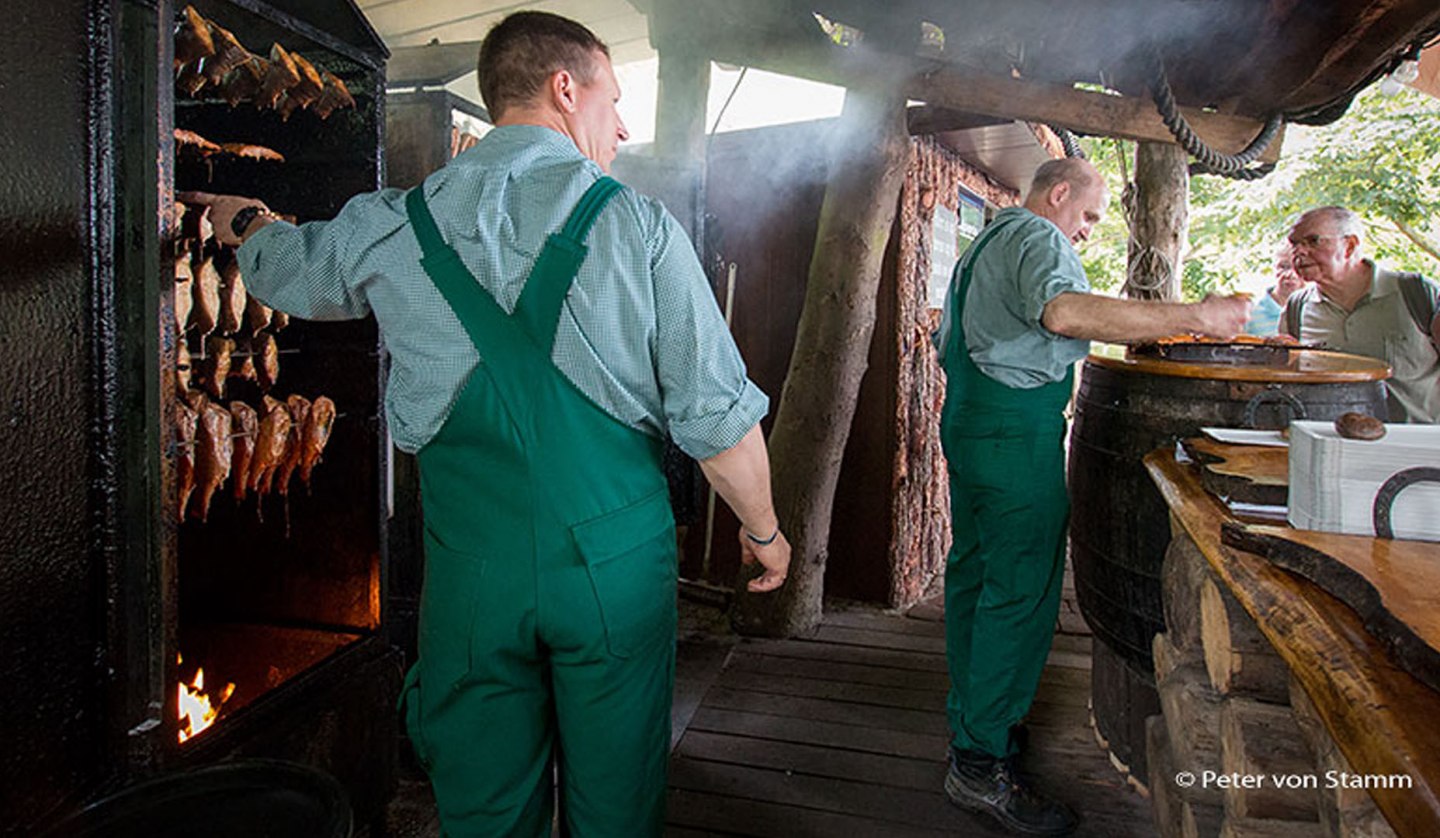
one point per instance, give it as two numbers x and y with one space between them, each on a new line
197 712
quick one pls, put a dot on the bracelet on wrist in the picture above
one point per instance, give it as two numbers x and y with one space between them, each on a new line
246 216
761 542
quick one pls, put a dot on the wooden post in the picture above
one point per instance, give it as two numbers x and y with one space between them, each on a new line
684 90
1192 720
1262 741
1344 812
1158 213
1239 659
1182 573
832 345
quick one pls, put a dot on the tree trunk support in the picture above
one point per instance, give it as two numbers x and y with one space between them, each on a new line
1156 207
867 168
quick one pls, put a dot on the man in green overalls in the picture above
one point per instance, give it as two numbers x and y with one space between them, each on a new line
1018 316
547 329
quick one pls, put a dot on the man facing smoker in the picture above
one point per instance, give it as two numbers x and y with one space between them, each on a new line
1356 306
1018 316
536 383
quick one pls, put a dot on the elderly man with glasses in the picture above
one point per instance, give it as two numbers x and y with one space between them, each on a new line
1358 307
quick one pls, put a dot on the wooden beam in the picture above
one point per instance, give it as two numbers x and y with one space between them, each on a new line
927 119
950 87
1087 112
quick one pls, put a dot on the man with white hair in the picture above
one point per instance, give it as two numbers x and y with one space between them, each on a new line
1358 307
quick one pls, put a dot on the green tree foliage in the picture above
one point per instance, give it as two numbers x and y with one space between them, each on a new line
1382 159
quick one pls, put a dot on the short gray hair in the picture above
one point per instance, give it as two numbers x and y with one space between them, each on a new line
1071 170
1345 221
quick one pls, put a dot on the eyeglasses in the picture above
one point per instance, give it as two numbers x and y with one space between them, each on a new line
1311 241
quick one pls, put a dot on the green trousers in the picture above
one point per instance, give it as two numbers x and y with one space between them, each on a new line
547 621
1006 565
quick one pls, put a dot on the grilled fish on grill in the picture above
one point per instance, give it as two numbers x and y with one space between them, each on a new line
267 359
270 443
242 364
317 433
195 225
279 320
191 141
280 76
232 298
242 84
257 314
185 421
244 427
306 91
213 453
184 292
229 54
333 97
216 366
252 152
182 366
299 407
192 39
190 79
206 313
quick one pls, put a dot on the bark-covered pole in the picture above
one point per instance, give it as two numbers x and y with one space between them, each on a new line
1158 211
807 443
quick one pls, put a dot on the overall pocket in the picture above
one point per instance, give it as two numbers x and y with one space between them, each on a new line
630 555
447 613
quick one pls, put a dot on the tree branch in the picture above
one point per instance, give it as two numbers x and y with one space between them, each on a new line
1419 238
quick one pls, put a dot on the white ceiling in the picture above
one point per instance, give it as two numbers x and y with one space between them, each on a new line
413 23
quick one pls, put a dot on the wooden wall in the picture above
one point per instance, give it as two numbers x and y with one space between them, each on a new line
891 521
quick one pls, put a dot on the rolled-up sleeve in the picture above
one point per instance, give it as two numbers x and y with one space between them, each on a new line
708 401
1049 267
311 270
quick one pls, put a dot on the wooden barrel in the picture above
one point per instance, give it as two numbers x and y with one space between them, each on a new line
1126 408
1119 524
1122 697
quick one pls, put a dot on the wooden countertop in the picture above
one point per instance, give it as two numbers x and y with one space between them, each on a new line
1309 366
1383 719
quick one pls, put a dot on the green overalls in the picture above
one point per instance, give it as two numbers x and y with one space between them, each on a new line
1006 565
550 563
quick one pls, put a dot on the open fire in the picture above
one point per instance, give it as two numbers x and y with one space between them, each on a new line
197 710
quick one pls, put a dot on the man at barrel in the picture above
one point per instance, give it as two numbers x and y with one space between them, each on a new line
1019 314
1356 306
537 380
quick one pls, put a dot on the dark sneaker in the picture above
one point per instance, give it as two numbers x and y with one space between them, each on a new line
983 783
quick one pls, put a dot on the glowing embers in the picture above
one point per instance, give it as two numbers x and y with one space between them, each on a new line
197 710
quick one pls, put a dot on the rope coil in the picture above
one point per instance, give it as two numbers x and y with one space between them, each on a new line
1209 161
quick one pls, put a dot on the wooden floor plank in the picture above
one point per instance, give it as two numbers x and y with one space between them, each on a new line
925 809
812 650
825 710
815 760
786 684
844 733
828 734
875 621
746 660
871 638
1078 643
697 665
716 814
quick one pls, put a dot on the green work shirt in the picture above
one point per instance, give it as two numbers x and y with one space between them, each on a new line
1029 263
639 334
